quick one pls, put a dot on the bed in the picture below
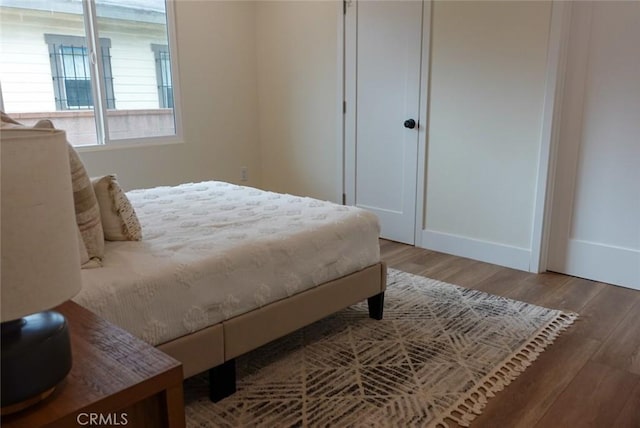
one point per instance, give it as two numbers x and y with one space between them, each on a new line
223 269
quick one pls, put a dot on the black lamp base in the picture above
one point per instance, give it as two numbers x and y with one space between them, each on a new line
36 356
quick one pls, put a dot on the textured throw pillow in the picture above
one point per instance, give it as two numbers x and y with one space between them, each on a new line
82 250
85 261
87 208
119 219
86 204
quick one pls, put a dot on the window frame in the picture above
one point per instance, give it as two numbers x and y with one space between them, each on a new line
102 125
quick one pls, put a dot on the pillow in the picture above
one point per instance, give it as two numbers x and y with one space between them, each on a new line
119 219
85 261
87 208
82 250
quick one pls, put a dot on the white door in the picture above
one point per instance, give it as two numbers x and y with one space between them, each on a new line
595 223
381 171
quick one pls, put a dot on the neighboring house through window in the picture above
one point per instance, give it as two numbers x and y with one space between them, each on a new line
71 75
69 60
163 75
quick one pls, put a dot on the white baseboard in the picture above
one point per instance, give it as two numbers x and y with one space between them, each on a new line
484 251
601 262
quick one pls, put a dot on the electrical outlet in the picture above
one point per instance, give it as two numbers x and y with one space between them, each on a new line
244 174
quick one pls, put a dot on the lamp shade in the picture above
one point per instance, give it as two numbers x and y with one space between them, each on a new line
39 251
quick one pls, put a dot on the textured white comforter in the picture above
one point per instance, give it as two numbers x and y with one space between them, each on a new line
214 250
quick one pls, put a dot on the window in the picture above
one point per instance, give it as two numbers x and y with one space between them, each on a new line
98 79
71 73
163 75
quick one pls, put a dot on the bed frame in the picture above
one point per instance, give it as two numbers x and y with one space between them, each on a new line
215 348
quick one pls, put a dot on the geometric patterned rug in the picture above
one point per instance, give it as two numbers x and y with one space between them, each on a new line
439 353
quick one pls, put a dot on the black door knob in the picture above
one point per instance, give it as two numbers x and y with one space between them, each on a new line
410 123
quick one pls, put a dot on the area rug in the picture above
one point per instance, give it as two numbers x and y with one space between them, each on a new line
439 353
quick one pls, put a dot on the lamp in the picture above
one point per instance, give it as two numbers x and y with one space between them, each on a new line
40 263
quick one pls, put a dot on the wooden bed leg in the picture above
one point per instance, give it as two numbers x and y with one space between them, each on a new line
222 380
376 306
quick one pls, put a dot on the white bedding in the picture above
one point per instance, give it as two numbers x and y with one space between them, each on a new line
213 250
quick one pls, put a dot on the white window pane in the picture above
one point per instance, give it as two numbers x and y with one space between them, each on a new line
40 78
140 67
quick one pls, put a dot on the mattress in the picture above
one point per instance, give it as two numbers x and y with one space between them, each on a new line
214 250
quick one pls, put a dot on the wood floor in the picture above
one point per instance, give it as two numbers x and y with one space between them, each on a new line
590 377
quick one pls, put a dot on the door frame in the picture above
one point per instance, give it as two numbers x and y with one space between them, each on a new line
347 106
347 53
341 7
557 54
424 121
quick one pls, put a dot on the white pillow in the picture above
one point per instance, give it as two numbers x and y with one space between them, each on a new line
119 219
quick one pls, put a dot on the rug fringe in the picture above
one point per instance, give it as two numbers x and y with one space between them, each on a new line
471 405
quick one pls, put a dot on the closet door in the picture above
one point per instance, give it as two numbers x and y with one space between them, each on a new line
595 223
383 85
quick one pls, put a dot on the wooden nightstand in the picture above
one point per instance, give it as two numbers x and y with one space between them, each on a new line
116 380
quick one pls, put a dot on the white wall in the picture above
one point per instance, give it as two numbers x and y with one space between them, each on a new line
487 90
217 64
297 97
258 83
